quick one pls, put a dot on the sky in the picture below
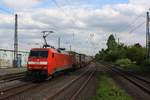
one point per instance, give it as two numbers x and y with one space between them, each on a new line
83 24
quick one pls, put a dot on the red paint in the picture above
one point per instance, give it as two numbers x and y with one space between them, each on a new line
55 61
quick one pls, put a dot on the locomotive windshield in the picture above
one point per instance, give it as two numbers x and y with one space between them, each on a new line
39 53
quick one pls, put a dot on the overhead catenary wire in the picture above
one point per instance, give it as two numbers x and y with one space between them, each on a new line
89 39
63 11
76 18
135 19
132 22
73 18
135 28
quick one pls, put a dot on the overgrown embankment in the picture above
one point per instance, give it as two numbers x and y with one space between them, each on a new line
131 57
108 90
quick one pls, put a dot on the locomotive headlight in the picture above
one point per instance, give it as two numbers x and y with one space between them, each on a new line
43 62
31 62
39 63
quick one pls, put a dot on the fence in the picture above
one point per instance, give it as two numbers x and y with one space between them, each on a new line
7 57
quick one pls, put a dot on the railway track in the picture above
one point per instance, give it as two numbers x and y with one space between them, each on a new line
140 82
82 87
11 77
7 93
84 78
21 89
14 89
133 75
48 87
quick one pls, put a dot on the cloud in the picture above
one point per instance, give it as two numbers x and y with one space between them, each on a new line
80 21
20 4
139 2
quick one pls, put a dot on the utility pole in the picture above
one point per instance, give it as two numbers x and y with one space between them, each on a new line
147 35
70 47
16 41
59 42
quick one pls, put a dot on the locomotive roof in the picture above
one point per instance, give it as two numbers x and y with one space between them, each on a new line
52 50
58 51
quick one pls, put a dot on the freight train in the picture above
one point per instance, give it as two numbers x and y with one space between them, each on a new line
45 62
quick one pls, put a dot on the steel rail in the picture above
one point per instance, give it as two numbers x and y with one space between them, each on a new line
141 86
66 86
82 87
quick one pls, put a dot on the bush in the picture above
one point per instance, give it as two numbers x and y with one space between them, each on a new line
111 56
136 54
146 63
124 62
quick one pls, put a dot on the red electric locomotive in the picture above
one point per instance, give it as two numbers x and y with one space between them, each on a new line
43 62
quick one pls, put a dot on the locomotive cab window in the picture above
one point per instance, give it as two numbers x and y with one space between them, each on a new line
39 53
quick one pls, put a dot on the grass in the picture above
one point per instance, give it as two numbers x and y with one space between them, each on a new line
108 90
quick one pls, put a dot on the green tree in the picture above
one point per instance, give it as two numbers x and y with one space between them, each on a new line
135 53
120 53
111 42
